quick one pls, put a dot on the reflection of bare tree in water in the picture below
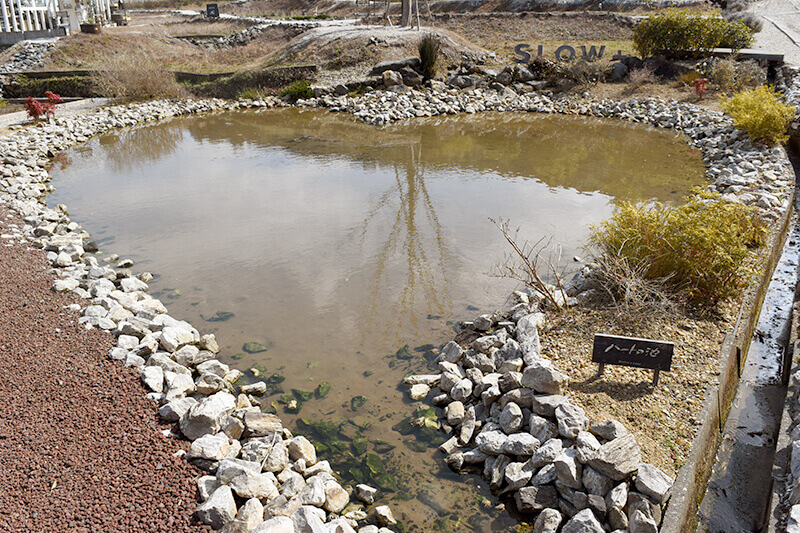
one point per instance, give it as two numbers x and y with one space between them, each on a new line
417 236
149 143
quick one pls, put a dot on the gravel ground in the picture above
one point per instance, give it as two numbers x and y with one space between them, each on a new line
665 419
781 32
81 448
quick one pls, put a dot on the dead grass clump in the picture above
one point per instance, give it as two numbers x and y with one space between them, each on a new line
586 72
729 75
116 78
626 290
640 76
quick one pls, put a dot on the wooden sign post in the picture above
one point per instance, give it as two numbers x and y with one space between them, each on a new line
634 352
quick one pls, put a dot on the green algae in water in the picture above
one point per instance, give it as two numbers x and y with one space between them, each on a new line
381 446
427 412
359 445
286 398
357 475
404 427
219 316
254 347
431 435
386 482
416 446
174 295
375 464
357 402
323 389
259 367
273 388
404 353
276 378
424 348
302 394
238 356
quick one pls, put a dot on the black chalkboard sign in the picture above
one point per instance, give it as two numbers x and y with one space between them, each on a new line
212 11
631 351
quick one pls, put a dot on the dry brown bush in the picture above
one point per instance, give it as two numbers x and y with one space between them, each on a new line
135 76
630 294
640 76
729 75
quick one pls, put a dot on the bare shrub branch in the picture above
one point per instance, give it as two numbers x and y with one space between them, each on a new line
528 261
630 293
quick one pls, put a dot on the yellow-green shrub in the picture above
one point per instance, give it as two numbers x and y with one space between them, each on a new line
760 113
698 249
674 32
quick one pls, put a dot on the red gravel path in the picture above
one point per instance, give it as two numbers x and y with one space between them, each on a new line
81 448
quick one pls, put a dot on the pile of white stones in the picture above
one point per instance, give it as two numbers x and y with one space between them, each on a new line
554 460
505 407
28 55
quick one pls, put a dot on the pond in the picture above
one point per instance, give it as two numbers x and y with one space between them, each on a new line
344 253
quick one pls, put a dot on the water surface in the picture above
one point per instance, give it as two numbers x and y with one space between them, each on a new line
334 244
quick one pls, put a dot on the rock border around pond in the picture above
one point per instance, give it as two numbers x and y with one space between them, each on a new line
249 452
261 477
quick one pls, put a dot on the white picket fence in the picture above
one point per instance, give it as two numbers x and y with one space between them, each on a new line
28 15
42 15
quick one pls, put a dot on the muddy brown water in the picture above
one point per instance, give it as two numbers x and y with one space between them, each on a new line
334 245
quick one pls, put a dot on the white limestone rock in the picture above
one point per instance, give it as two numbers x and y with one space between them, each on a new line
583 522
365 493
301 448
542 377
218 509
206 415
511 418
210 447
547 521
653 482
277 524
618 458
175 409
568 469
571 420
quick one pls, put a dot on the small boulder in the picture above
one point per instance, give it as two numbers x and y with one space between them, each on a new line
218 509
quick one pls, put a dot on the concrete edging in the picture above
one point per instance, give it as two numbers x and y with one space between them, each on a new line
691 481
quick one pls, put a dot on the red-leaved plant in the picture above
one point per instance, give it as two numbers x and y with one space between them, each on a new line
699 85
36 108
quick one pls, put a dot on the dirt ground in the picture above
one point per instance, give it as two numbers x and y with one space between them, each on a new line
664 418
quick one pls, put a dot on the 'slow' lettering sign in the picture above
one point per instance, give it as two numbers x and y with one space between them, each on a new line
630 351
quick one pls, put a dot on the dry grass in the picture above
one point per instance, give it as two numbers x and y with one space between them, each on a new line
116 78
201 27
665 90
85 51
639 77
